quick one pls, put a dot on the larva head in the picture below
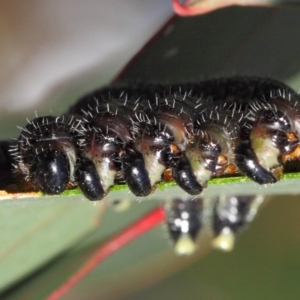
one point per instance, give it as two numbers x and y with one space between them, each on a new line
98 165
50 171
185 177
46 154
135 173
249 164
88 180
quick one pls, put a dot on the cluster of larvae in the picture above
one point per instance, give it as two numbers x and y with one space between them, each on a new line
144 134
141 135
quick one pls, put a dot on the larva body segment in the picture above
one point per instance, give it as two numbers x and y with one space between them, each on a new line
269 132
105 138
164 130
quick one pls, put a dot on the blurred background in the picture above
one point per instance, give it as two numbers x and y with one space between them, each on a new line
52 53
63 49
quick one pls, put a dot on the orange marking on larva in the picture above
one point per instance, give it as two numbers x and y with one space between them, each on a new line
291 156
174 148
291 137
222 160
168 175
231 170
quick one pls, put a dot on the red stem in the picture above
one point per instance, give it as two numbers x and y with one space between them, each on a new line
133 231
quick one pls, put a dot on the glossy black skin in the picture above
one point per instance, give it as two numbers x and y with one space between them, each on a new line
185 178
50 172
248 164
189 211
88 180
41 148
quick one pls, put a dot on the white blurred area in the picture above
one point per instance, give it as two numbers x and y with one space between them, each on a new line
51 50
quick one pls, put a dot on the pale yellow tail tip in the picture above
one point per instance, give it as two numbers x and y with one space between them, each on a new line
224 241
185 245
